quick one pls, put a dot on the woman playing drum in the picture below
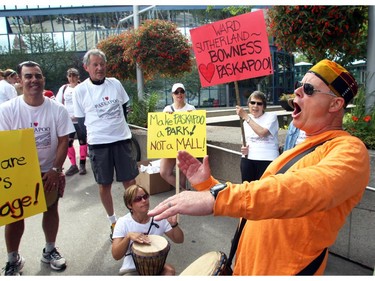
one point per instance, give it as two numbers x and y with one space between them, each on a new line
134 227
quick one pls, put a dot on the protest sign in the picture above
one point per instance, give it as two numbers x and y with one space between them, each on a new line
168 133
233 49
21 187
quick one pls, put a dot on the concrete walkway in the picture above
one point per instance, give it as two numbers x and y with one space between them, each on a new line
84 232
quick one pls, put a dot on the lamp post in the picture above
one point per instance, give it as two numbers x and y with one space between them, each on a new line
370 65
140 82
135 16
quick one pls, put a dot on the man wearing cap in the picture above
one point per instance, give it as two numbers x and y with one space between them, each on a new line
7 89
293 216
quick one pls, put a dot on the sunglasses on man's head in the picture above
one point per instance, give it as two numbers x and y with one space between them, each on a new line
28 63
179 92
139 198
256 103
309 89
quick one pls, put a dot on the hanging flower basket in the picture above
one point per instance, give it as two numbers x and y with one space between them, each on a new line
159 48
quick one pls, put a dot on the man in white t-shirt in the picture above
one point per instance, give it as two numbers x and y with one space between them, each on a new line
52 126
101 102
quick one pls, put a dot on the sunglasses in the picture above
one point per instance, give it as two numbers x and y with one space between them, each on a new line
309 89
179 92
139 198
72 75
256 103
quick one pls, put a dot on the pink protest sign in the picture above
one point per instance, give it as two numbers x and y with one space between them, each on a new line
233 49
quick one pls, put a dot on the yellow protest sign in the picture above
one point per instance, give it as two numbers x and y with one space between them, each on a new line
169 133
21 187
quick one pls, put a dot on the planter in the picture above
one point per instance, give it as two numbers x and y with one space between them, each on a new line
284 104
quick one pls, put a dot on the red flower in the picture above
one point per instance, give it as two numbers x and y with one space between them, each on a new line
355 118
367 118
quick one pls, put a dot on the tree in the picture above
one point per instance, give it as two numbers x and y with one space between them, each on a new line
41 48
337 33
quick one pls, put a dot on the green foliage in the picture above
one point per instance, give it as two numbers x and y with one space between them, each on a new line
41 48
359 122
54 65
141 108
321 32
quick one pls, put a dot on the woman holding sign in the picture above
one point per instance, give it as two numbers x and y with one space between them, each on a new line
167 165
261 135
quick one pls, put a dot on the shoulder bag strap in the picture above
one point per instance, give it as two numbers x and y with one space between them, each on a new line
151 224
63 99
314 265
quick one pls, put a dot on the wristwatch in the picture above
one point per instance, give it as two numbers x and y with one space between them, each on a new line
57 170
217 188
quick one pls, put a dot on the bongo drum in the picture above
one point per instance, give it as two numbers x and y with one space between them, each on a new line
149 259
210 264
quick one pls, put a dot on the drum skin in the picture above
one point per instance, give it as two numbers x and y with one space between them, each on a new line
149 259
210 264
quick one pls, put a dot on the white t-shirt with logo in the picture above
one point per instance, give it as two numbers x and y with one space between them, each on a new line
101 105
50 120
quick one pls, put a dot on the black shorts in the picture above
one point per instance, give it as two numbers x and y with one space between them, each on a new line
107 158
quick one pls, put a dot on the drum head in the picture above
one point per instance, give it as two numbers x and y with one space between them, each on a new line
207 265
51 197
158 244
149 259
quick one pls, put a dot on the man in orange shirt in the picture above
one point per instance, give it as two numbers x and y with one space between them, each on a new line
293 217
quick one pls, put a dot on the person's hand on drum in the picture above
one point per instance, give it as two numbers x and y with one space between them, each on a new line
193 203
195 171
139 238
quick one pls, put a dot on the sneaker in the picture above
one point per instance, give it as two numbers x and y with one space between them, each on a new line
111 234
72 170
55 260
82 169
14 269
